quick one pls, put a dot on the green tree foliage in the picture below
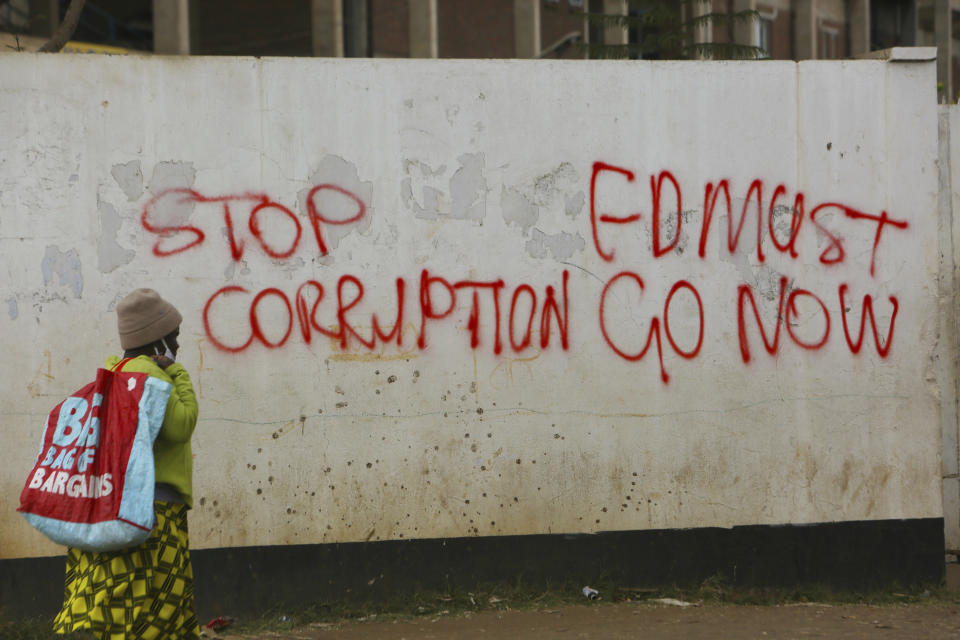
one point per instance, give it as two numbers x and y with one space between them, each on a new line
666 29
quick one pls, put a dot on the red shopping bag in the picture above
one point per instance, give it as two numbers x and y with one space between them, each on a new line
93 481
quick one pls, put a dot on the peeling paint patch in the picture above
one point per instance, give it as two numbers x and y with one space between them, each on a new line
560 245
550 185
549 194
783 220
110 254
290 267
423 168
465 196
13 309
518 209
66 266
762 278
130 178
172 175
766 281
419 177
468 187
826 220
429 208
335 206
230 272
669 230
573 204
172 211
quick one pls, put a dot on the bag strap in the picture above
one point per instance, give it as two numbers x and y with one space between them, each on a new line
119 365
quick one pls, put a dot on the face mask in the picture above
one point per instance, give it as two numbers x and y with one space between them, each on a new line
167 351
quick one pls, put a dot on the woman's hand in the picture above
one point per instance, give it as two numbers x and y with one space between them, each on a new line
162 361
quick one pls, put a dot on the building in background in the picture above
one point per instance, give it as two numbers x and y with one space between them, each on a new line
784 29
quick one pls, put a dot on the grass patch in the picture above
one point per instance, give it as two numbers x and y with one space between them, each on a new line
34 629
499 597
519 596
720 592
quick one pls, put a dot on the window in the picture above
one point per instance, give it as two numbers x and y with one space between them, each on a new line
764 29
829 43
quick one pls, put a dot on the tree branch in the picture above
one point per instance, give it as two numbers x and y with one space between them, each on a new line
66 28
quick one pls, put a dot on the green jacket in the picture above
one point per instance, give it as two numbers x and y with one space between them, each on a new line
172 455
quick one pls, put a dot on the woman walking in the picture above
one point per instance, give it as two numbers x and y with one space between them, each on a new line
145 592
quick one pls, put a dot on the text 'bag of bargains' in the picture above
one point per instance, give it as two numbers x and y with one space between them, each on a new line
92 486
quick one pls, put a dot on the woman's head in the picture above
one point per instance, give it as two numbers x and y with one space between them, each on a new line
144 319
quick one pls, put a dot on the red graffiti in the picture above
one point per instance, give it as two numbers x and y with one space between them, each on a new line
786 315
883 347
756 188
340 310
474 323
754 202
317 217
744 292
206 321
178 237
655 324
343 328
306 316
792 313
835 243
606 218
683 284
523 344
796 220
426 303
656 186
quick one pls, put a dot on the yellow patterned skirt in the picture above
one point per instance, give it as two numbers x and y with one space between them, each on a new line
145 592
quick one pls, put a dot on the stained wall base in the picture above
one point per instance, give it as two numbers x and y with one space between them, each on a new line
231 581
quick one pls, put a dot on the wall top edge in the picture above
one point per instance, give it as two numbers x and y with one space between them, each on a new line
902 54
18 57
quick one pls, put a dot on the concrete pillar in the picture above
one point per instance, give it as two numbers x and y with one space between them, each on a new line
585 37
614 34
171 27
702 33
327 28
859 27
356 29
424 37
805 30
526 28
745 31
944 37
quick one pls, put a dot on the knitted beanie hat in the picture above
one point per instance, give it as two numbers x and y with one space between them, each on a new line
143 317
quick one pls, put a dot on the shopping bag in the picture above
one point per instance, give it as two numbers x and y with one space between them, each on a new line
92 485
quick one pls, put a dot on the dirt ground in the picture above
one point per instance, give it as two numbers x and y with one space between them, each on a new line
636 620
599 620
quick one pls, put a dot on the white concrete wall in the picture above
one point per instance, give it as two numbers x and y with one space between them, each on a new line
485 171
948 357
